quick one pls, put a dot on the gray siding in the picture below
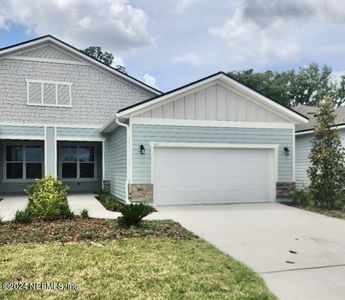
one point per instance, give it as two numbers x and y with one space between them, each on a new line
96 94
144 134
302 159
116 162
49 52
214 103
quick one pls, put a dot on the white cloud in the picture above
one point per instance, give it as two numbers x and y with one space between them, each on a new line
265 30
150 80
115 25
190 58
183 5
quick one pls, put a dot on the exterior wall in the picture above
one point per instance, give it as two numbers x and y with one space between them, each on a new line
144 134
8 131
302 160
214 103
49 52
96 94
116 162
50 154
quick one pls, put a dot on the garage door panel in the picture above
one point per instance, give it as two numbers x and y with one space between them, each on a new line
205 175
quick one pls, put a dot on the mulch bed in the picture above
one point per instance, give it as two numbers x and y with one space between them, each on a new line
87 229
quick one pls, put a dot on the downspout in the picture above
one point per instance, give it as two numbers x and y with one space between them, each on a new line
117 121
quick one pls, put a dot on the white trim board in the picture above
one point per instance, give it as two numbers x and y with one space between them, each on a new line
50 125
225 80
21 137
205 123
214 145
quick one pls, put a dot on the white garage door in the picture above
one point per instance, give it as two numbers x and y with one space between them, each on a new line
213 175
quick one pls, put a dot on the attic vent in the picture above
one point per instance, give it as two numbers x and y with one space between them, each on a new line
49 93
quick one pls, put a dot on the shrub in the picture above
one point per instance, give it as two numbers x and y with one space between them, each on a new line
87 234
1 220
302 198
48 199
109 201
132 214
84 214
23 216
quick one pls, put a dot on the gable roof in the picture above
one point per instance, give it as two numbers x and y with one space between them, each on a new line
309 111
296 116
78 53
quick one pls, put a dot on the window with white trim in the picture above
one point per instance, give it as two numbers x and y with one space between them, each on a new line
23 162
49 93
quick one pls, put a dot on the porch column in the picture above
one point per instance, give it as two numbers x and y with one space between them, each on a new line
50 156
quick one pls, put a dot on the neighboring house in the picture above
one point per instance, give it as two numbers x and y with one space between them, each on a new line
66 114
304 134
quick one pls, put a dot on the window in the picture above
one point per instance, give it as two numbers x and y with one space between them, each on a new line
49 93
23 162
77 162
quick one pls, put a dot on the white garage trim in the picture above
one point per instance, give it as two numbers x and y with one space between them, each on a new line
216 145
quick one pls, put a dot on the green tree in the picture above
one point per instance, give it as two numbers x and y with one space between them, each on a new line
327 169
105 57
308 85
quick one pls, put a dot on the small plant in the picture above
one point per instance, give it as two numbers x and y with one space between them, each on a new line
84 214
133 213
48 199
109 201
302 198
87 234
23 216
1 220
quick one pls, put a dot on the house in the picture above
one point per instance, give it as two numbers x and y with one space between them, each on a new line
304 134
69 115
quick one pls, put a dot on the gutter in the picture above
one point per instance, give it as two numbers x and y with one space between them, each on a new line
117 121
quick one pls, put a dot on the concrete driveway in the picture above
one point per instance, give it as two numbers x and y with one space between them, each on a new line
300 254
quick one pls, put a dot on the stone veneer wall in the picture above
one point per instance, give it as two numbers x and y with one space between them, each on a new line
284 189
140 192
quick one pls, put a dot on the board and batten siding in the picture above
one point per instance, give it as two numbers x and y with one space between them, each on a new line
213 103
144 134
116 162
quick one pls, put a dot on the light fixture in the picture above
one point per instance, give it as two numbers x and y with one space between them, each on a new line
286 151
142 149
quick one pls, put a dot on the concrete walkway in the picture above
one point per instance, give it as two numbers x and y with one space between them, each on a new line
78 202
10 204
300 254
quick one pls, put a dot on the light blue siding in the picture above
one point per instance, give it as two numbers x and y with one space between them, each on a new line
302 159
116 161
11 130
50 151
144 134
78 132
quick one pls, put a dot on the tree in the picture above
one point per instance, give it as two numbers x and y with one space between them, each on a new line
105 57
327 169
308 85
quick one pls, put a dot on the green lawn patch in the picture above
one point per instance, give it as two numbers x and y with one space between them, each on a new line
140 268
109 201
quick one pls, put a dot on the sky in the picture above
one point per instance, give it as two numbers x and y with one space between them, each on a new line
170 43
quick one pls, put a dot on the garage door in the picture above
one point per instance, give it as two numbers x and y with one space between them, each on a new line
212 175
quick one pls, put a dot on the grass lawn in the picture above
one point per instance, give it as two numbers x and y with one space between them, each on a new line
336 213
159 260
